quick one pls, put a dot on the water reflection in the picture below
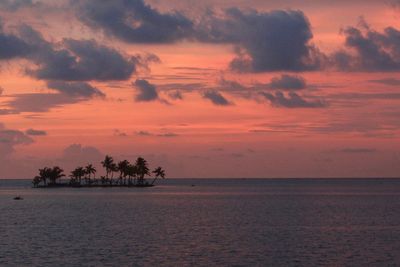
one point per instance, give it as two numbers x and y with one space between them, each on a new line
216 222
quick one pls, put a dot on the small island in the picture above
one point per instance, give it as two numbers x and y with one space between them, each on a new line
128 175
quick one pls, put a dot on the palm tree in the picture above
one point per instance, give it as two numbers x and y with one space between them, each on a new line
77 174
113 168
44 174
108 163
73 177
55 173
51 174
127 171
159 172
89 169
123 170
36 181
131 172
142 169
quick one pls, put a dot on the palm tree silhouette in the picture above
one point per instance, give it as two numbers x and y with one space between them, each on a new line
123 170
36 181
44 174
77 174
89 169
142 169
131 172
55 173
113 168
159 172
51 174
137 171
73 177
107 164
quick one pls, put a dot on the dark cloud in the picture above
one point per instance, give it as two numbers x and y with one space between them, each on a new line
70 60
292 100
388 81
134 21
75 89
358 150
266 41
369 50
14 5
11 138
288 82
216 98
278 40
146 91
12 46
79 60
34 132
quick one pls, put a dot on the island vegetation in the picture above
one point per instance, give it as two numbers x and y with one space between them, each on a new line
122 173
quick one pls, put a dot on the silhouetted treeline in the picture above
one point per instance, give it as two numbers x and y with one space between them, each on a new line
122 173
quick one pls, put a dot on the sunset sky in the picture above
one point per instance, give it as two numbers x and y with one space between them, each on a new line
210 88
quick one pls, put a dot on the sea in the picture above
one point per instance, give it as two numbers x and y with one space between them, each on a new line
203 222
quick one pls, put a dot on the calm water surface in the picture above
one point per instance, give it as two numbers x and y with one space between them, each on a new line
221 222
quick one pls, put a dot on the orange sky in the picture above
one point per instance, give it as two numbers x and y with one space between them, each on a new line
347 126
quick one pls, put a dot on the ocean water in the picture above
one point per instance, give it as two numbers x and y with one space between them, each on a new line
217 222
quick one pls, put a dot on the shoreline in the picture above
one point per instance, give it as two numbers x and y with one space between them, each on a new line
89 186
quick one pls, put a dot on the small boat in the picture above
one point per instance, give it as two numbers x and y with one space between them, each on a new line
18 198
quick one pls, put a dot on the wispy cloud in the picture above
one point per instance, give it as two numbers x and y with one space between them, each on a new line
34 132
358 150
292 100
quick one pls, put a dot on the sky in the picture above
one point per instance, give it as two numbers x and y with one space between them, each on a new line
212 88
